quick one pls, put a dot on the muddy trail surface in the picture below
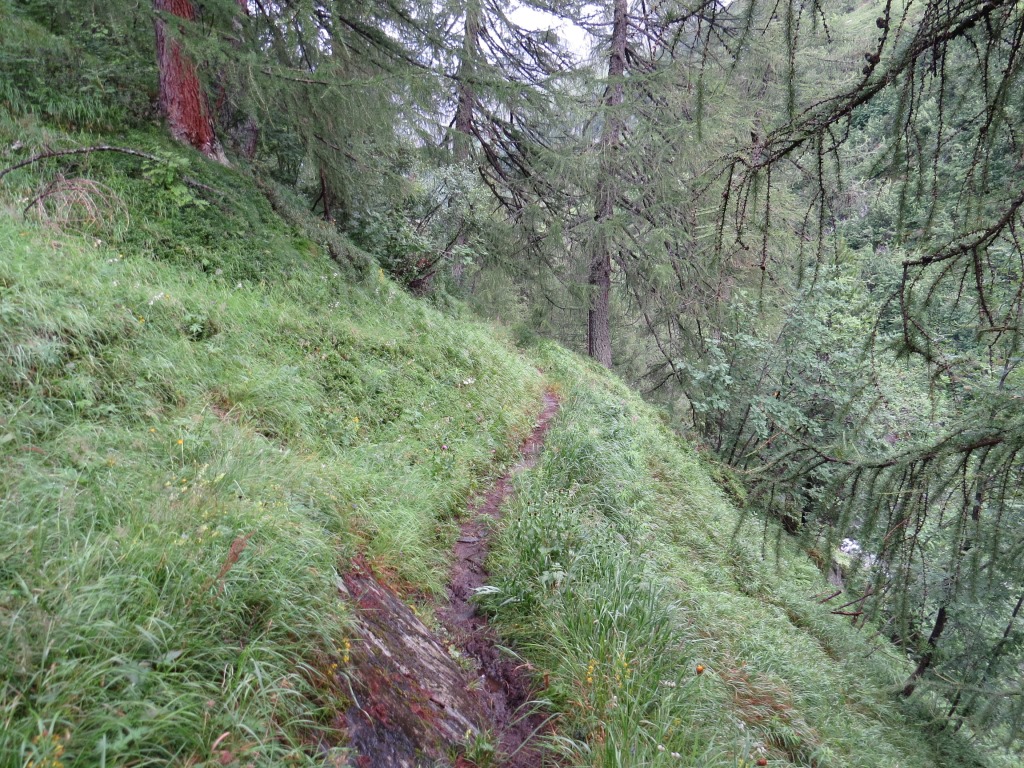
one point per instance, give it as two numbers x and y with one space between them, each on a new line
415 700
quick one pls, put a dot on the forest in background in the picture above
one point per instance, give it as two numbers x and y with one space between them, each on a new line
793 225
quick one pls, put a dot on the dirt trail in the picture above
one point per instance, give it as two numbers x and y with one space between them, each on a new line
507 684
414 704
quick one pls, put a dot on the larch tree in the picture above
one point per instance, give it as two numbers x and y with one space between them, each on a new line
465 76
599 281
630 220
464 107
505 82
182 100
922 122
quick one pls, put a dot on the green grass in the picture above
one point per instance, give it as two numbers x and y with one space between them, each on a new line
204 418
621 567
196 435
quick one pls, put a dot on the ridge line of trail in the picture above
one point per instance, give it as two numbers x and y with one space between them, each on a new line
506 684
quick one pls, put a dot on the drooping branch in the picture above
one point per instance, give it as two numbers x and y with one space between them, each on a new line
934 30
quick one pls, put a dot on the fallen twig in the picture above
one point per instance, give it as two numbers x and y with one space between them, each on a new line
234 552
103 148
79 151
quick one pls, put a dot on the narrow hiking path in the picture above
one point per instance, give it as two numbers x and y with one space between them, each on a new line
507 684
414 701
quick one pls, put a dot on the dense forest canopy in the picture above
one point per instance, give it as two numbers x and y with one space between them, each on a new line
796 225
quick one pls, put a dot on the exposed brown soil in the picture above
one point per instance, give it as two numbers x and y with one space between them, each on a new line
414 703
507 684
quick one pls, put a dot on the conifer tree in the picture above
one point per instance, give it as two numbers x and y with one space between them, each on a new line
939 507
599 342
182 99
464 105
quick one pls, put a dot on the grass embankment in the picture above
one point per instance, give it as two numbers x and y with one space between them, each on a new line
199 424
205 418
671 630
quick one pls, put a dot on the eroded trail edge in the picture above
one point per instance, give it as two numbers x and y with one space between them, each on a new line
413 703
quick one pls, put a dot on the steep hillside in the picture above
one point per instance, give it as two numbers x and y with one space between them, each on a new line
206 419
197 433
673 628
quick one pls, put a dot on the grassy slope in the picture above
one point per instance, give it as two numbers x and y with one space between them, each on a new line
622 567
160 405
201 424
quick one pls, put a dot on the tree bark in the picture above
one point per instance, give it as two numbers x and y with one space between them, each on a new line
466 100
181 98
599 340
247 135
325 197
928 655
467 69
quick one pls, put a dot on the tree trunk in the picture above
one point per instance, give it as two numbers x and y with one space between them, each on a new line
926 658
599 339
181 99
325 197
463 138
247 135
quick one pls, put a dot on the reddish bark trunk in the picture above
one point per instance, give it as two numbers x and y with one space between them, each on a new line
181 99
